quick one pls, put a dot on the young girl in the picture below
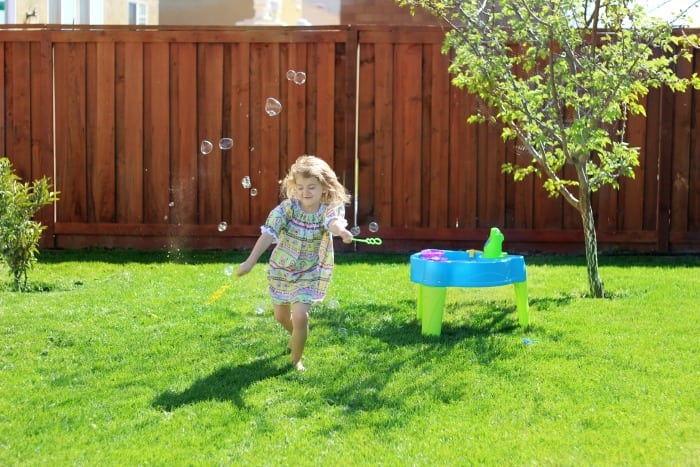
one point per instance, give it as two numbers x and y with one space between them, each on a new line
301 263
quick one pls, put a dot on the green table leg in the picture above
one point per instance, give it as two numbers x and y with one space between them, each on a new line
521 301
431 303
419 308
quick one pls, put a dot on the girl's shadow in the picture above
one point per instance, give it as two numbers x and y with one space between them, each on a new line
225 384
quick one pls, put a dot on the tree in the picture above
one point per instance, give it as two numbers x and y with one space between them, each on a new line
19 234
562 77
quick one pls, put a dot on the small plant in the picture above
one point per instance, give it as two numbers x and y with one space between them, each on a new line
19 233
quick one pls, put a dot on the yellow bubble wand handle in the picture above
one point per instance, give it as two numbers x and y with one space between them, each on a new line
215 296
368 241
220 291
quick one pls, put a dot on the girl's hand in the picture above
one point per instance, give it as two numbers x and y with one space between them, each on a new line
338 228
346 235
244 268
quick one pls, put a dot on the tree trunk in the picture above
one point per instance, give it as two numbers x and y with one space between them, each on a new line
586 210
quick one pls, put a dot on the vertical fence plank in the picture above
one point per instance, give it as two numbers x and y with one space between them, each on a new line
17 107
323 80
364 193
295 99
494 185
210 67
438 193
407 134
632 190
101 175
185 147
240 95
606 200
156 144
42 112
651 160
4 68
681 153
383 125
129 132
523 191
694 176
461 197
264 162
70 99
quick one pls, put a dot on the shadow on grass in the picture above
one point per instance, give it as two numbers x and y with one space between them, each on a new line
395 366
401 329
225 384
549 303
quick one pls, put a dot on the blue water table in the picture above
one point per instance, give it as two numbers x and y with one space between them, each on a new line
435 270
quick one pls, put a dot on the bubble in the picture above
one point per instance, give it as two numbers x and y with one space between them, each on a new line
333 304
225 143
171 204
253 192
228 270
291 74
206 147
355 230
245 181
259 309
273 106
300 78
373 227
222 226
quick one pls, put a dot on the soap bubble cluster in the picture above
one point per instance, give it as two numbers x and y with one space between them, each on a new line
297 77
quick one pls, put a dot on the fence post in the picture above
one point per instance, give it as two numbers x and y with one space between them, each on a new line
43 140
665 152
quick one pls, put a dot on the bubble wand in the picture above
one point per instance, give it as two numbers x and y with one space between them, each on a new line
220 291
369 241
215 296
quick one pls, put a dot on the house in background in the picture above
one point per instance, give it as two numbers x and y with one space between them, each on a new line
287 12
249 12
382 12
209 12
78 12
256 12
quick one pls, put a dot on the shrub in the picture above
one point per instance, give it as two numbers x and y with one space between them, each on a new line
19 233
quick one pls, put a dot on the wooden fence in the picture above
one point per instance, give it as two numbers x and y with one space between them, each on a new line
116 118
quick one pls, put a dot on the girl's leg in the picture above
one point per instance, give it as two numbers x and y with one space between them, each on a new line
283 316
300 326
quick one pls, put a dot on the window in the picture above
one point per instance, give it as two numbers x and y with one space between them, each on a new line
63 12
138 13
92 11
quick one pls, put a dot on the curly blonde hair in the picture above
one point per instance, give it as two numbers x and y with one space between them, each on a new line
308 166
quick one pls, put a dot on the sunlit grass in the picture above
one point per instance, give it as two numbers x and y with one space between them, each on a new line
113 358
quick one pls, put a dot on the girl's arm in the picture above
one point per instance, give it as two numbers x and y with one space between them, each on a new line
337 227
263 243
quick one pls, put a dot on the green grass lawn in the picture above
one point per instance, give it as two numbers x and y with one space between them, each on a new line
113 358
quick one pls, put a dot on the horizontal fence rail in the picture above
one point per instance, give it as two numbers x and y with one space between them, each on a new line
117 117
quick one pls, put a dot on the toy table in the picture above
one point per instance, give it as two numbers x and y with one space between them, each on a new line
435 270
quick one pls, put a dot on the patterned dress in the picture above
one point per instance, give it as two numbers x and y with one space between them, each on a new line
301 264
